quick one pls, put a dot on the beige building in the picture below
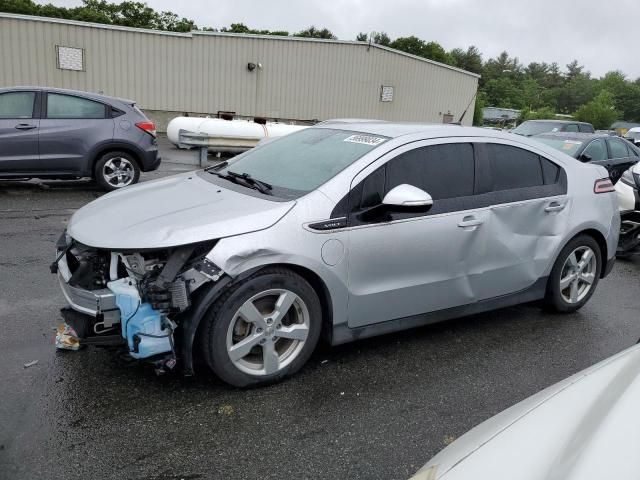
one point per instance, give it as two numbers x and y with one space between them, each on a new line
169 74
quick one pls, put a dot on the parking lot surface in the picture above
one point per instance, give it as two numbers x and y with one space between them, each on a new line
374 409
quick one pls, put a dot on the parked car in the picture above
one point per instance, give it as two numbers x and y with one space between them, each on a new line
584 427
536 127
348 230
613 153
633 135
55 133
628 189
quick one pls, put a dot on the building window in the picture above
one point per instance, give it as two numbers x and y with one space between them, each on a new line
386 93
69 58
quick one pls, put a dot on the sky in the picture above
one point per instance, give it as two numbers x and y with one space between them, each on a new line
600 35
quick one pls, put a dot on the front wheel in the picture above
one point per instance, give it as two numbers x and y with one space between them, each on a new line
575 275
262 330
116 170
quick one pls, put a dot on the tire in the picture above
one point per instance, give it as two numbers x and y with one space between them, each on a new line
573 270
116 170
248 346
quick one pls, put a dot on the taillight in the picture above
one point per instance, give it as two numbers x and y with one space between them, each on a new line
148 127
603 185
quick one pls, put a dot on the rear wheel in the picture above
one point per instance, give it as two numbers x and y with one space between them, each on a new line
575 275
116 170
262 330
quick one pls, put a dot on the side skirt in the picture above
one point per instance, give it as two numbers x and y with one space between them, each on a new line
343 334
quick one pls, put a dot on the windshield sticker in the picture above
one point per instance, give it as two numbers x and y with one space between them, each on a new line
365 139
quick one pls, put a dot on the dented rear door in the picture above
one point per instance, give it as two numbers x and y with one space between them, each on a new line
527 218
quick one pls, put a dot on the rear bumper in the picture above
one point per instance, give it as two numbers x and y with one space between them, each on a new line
150 160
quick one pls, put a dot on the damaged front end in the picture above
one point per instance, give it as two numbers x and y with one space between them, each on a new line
135 300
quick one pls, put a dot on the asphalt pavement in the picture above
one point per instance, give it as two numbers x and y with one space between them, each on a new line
374 409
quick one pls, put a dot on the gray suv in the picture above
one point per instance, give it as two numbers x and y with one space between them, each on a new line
55 133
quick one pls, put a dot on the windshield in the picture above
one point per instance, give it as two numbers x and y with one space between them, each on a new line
300 162
535 128
570 147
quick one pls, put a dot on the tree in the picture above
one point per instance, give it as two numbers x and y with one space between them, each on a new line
600 111
420 48
469 60
477 111
313 32
381 38
362 37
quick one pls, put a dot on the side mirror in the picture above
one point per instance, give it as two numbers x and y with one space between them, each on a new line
585 157
407 196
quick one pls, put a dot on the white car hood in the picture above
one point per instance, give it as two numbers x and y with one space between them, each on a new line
585 427
171 211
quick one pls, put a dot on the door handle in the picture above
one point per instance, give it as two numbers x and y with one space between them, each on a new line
25 126
554 207
470 221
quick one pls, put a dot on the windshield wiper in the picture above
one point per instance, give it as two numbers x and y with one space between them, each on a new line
245 180
217 166
262 187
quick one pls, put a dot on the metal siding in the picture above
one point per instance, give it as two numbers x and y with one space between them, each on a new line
207 73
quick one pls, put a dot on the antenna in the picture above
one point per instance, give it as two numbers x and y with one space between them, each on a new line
468 105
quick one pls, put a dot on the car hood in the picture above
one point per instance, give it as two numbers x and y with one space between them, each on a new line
171 211
585 427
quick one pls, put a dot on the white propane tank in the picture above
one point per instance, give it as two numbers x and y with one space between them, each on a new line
225 135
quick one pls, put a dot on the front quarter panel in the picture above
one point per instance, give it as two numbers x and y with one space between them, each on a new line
292 242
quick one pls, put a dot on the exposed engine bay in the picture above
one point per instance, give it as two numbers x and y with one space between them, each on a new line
131 299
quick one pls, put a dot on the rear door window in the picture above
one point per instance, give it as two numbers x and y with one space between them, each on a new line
572 127
17 104
597 150
586 128
513 167
68 106
617 148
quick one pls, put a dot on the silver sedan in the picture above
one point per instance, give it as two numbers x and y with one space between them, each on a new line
346 230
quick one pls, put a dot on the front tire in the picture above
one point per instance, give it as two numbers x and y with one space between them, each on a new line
262 330
575 275
116 170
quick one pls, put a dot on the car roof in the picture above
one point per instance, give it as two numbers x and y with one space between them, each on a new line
557 121
577 136
94 96
399 129
634 130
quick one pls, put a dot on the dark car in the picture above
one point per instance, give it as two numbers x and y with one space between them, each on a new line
55 133
536 127
614 153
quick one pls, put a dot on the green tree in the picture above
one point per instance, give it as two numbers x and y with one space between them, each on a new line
420 48
469 60
600 111
381 38
477 110
362 37
313 32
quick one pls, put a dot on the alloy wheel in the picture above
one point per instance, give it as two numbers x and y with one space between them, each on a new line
268 332
578 274
118 172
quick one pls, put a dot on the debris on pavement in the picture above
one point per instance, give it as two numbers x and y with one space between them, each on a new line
30 364
67 338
